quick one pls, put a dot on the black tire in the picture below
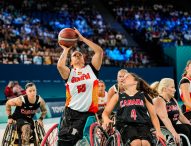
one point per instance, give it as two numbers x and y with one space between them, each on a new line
114 139
98 136
8 135
40 133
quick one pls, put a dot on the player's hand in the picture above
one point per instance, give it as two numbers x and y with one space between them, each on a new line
10 121
176 137
64 47
160 135
79 34
106 123
40 122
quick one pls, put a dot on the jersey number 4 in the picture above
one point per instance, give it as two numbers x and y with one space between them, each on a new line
133 114
81 88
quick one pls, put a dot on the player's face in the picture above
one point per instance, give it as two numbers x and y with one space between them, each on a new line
188 69
77 57
120 78
101 87
31 91
129 80
171 89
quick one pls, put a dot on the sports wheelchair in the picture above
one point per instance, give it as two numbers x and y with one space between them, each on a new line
51 137
170 140
90 129
112 137
12 137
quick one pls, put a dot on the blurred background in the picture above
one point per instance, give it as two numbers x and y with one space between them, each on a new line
149 37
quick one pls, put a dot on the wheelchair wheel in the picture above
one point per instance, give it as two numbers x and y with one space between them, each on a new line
155 141
83 142
169 137
114 139
8 136
98 136
40 132
51 137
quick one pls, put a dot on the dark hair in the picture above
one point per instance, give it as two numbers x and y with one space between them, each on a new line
30 84
187 64
142 85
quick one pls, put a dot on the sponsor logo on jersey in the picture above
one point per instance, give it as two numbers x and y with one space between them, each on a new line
130 102
81 78
28 112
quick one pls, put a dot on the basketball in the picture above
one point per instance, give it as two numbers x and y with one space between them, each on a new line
67 37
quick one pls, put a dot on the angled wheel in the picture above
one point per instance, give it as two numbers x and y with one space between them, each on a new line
83 142
170 139
157 142
98 136
8 136
51 137
114 139
40 132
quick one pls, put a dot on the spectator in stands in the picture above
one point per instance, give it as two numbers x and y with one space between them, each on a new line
17 89
8 92
37 59
23 34
168 110
81 91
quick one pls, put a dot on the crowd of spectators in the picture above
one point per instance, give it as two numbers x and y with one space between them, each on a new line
168 24
13 89
29 29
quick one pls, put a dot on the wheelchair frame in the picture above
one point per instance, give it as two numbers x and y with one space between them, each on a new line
12 137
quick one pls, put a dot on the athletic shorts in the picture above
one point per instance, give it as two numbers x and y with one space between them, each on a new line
72 125
21 122
130 133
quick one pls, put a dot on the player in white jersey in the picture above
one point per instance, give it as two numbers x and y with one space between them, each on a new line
81 91
118 87
102 95
185 88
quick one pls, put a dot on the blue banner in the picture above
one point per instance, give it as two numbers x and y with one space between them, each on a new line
56 108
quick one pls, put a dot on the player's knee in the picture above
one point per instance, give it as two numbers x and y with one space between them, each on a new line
145 143
136 142
26 130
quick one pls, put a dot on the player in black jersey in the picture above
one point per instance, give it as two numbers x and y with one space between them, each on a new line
133 106
168 110
26 107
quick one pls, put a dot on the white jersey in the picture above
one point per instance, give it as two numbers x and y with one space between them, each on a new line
181 94
82 90
116 88
102 101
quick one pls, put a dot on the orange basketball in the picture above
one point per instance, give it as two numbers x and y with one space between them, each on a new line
67 37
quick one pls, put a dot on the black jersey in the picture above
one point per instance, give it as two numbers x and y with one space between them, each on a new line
172 111
131 110
27 109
